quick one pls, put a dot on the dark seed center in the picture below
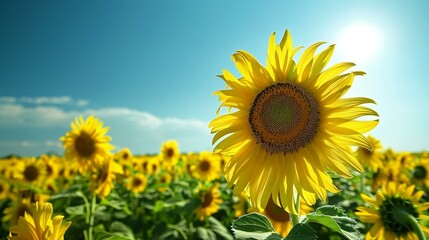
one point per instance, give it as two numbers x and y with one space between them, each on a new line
284 117
85 145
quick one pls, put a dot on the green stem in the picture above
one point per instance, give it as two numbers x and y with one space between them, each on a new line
92 216
404 217
295 217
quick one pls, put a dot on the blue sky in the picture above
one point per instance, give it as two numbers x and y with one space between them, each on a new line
148 68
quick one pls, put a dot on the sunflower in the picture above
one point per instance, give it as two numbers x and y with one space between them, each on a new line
18 206
207 167
104 178
420 173
210 202
170 154
153 165
31 171
86 143
383 212
372 158
391 172
39 225
287 123
406 160
124 156
137 183
51 165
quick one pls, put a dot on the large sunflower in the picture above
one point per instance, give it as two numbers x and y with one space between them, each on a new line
87 143
39 225
383 212
288 124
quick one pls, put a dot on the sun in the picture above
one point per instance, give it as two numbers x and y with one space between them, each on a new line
359 42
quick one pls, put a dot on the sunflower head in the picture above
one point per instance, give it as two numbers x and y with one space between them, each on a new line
207 167
104 178
383 211
170 154
287 123
210 202
86 143
37 224
137 183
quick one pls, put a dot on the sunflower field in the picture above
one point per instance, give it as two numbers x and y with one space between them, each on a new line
292 160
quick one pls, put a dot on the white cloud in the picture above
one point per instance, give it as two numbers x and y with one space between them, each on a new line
7 100
141 131
59 100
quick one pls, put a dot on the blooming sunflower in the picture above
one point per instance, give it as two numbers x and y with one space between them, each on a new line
288 123
383 212
137 183
105 177
31 171
372 158
86 143
420 173
18 206
207 167
240 205
124 156
210 202
39 225
170 154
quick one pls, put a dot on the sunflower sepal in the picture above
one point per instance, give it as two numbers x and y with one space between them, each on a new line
336 219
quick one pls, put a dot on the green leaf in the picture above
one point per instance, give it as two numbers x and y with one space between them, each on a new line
335 219
219 229
102 235
204 233
254 226
301 231
76 210
121 229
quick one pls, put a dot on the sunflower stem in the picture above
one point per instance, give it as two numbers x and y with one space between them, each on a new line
295 217
404 217
92 216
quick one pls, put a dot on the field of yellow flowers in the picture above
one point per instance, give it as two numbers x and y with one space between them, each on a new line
292 160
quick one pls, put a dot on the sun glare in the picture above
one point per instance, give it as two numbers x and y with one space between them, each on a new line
359 42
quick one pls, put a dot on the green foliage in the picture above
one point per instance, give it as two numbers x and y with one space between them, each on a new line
336 219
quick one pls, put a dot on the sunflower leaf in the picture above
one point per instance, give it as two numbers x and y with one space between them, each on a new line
301 231
335 219
254 226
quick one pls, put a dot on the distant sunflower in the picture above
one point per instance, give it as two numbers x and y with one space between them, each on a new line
383 209
153 165
31 170
207 167
420 172
170 154
290 125
51 166
124 156
210 202
38 225
16 209
137 183
371 158
406 160
104 178
390 172
87 143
